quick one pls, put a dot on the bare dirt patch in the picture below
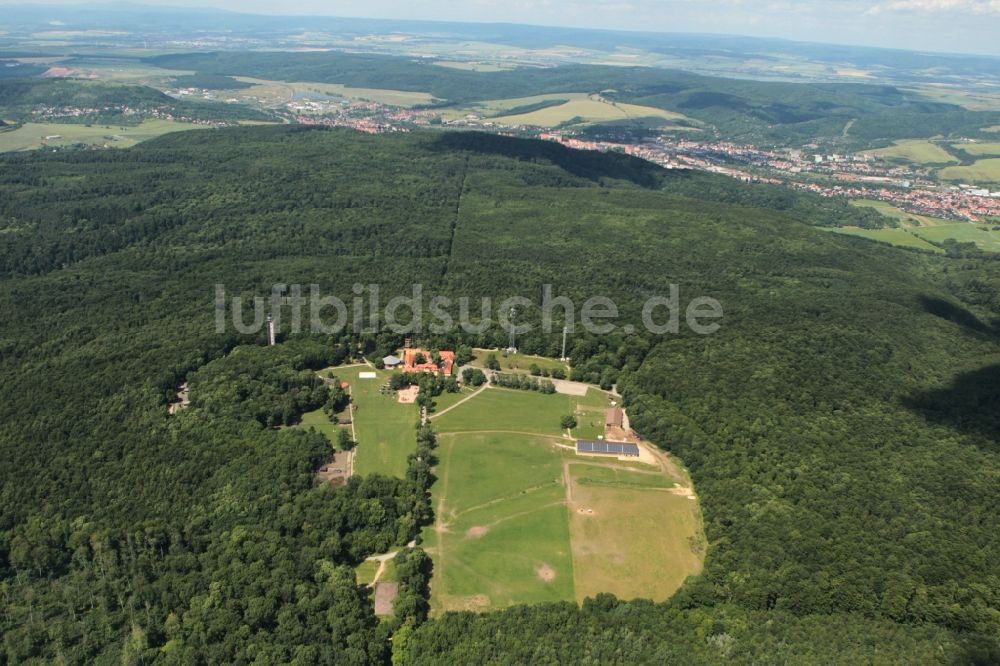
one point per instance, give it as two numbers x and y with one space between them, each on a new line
546 573
477 532
337 470
385 595
408 396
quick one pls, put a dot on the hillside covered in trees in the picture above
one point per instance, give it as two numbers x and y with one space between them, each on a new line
841 427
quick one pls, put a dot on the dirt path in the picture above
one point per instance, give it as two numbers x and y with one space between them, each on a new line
503 432
468 397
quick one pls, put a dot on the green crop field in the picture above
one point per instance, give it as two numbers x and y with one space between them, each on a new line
507 531
898 237
982 171
32 135
918 151
980 234
385 428
575 106
980 149
272 93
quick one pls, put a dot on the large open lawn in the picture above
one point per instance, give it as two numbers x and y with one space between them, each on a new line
512 410
918 151
520 518
502 532
905 218
982 171
32 135
631 536
386 429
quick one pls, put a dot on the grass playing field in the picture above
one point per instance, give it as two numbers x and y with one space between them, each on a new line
502 535
982 171
512 410
508 531
918 151
386 429
629 535
32 135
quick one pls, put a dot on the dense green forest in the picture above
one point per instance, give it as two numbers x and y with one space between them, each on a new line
751 111
841 428
21 98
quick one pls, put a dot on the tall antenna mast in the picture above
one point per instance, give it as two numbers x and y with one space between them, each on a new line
513 346
270 330
565 331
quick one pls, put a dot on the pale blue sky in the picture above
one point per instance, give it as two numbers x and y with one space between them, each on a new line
940 25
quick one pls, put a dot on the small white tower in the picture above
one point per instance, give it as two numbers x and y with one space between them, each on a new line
563 357
270 330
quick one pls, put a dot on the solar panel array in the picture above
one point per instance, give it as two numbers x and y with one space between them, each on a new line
614 448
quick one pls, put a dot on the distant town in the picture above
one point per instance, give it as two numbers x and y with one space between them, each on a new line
855 176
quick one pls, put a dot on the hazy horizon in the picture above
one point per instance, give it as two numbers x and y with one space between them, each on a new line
953 26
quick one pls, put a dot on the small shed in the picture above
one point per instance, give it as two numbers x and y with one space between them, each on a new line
614 417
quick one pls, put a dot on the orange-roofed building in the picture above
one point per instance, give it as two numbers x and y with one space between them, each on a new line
410 364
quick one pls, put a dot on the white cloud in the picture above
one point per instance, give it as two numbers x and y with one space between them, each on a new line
978 7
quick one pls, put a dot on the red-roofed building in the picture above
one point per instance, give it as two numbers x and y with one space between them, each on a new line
410 364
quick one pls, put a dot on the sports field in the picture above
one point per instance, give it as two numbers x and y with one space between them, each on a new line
512 410
386 429
512 521
982 171
918 151
32 135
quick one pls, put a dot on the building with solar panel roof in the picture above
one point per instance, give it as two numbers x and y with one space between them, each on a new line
589 447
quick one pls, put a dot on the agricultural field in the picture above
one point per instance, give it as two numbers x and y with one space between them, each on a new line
385 429
520 518
920 231
918 151
275 93
982 171
31 136
980 149
899 237
905 218
980 234
572 106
